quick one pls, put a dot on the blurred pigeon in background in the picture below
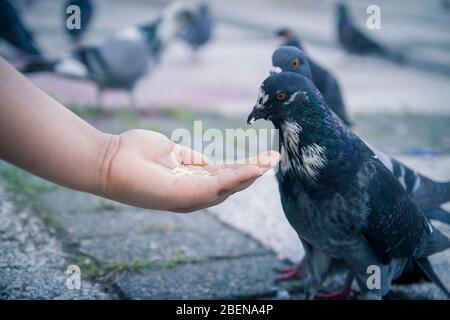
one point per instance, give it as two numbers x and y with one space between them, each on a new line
198 31
425 193
324 80
339 197
123 58
15 32
355 41
86 13
287 37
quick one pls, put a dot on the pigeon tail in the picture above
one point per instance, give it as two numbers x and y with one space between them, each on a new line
426 267
397 57
438 214
431 194
436 242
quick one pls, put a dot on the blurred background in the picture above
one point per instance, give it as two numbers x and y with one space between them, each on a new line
400 105
225 74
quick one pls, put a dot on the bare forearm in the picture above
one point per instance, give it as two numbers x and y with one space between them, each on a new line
45 138
40 135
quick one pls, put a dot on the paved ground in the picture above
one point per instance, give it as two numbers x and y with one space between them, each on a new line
228 251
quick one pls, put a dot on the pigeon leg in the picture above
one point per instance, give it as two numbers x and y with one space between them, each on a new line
294 272
343 294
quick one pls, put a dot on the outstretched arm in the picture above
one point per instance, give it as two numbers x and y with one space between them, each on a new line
40 135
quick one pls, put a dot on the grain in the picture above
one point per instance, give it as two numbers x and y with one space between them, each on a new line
190 171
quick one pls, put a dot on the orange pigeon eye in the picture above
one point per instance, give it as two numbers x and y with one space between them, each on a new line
295 63
281 96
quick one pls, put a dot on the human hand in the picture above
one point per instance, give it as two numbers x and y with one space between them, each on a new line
137 170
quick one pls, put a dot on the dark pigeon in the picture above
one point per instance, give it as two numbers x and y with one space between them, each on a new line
86 14
354 41
340 198
426 193
123 58
324 80
198 31
15 32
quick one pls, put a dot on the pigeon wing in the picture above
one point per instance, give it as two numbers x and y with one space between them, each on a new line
395 227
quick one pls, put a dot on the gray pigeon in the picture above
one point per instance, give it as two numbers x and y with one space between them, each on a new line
341 199
123 58
14 31
324 80
356 42
198 32
87 11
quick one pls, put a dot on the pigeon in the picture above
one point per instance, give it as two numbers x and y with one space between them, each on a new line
354 41
86 13
198 31
445 5
322 78
287 37
426 193
126 56
14 31
339 196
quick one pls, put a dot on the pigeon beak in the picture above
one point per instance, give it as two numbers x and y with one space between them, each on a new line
258 112
275 70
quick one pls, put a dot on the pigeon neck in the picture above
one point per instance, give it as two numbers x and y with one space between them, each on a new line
167 30
311 139
150 32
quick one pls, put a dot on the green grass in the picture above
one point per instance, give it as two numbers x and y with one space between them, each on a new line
163 228
106 204
129 117
85 112
18 181
98 270
180 113
28 190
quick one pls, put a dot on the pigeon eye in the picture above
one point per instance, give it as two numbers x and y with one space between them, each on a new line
281 96
295 63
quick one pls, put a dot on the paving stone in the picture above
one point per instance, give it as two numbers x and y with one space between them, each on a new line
189 245
249 277
124 220
62 201
33 263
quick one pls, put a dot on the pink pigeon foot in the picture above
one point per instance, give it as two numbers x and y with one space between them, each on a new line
343 294
294 272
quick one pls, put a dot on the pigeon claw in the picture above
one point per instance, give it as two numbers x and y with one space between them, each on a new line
344 294
292 273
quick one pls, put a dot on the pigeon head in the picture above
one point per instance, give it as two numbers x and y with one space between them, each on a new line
284 95
291 59
284 33
287 37
309 134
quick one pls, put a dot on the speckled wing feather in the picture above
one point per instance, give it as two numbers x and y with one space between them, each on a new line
395 228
